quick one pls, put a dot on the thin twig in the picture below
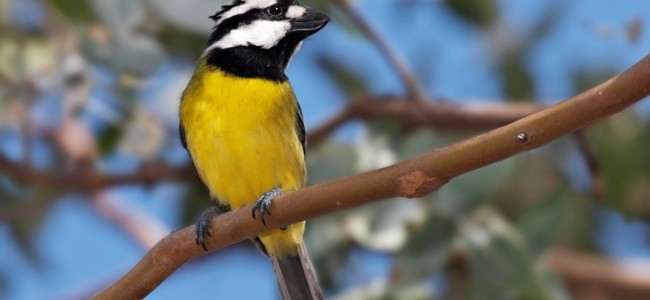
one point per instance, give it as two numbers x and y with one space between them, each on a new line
89 180
412 178
598 184
415 91
138 224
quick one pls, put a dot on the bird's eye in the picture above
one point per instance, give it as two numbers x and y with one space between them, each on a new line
275 10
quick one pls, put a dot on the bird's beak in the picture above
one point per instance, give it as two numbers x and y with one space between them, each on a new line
310 23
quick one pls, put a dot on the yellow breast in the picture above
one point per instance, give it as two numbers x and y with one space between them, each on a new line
241 134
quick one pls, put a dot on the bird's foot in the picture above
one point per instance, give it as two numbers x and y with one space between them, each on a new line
263 204
203 225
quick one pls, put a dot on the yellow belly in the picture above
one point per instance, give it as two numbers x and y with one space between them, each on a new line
241 134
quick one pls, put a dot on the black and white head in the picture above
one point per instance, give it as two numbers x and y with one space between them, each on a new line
257 38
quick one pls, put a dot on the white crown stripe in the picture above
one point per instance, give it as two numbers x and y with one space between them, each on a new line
242 9
262 33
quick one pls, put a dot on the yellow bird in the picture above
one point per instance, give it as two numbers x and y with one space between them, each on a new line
242 125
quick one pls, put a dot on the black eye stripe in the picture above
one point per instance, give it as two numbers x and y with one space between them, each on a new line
234 22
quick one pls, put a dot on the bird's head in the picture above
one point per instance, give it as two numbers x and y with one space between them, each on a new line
256 31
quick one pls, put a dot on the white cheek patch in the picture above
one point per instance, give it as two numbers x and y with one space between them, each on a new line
295 11
262 33
243 8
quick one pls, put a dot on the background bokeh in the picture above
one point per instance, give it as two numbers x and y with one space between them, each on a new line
92 87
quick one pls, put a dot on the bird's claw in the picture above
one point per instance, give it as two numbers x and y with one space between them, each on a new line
203 225
263 204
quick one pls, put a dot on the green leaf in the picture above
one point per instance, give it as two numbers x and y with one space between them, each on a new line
547 220
345 78
328 248
518 83
425 251
33 214
330 160
467 192
197 200
418 143
500 265
74 10
179 42
622 148
481 13
109 139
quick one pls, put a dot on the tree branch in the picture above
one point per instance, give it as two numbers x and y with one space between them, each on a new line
596 271
87 179
138 224
412 178
438 114
84 180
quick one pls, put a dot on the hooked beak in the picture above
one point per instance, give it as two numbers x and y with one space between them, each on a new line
310 23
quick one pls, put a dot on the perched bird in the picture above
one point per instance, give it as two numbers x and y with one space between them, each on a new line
242 125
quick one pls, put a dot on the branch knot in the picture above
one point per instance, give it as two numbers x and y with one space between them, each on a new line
417 184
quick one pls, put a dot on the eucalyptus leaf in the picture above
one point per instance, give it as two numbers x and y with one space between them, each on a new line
351 82
481 13
384 226
330 160
137 54
197 199
468 191
189 15
518 81
74 10
501 266
328 247
119 15
546 221
110 138
417 143
622 148
426 250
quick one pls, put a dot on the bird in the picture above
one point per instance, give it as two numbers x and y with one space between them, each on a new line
242 125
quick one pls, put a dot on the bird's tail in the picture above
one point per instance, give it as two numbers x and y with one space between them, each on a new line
296 276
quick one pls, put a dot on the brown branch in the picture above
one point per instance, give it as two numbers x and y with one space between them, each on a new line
412 178
429 114
409 80
88 180
592 270
84 180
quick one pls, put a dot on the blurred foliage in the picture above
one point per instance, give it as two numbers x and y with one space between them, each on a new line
76 11
484 232
481 13
622 146
350 82
494 247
